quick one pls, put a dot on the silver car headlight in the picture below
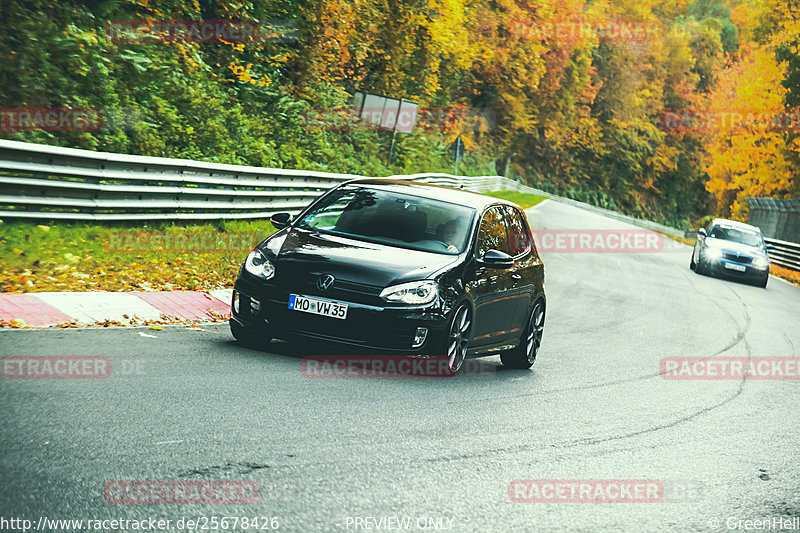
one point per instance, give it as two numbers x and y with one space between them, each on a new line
258 265
415 292
712 252
761 262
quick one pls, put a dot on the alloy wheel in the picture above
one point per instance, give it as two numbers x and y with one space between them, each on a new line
534 332
458 338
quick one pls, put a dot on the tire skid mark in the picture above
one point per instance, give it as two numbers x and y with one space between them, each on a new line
590 441
738 338
681 420
789 343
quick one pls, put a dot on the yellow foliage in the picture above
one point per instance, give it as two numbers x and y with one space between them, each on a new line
745 157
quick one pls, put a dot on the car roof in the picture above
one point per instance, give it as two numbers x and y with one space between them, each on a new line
735 224
435 192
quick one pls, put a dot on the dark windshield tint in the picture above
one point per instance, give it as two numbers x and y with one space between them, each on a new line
392 218
741 236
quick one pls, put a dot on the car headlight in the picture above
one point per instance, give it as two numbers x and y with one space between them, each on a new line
415 292
258 265
761 262
712 252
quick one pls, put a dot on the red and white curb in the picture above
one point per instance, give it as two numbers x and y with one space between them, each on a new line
128 308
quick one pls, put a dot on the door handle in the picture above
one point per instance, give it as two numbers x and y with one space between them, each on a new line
515 279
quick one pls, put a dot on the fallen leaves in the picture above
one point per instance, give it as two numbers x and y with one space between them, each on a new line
120 274
792 276
16 323
76 257
154 325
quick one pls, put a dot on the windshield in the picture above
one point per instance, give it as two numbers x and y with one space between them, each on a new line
742 236
392 218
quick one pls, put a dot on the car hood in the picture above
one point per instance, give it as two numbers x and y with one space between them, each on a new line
304 253
736 247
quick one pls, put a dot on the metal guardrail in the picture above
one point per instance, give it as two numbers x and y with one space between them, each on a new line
53 183
785 254
44 182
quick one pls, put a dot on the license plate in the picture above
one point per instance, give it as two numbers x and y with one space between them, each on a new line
734 266
317 307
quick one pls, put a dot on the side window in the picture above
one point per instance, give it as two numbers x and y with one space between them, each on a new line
519 239
492 233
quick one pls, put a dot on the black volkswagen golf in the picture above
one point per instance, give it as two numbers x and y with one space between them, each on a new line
398 267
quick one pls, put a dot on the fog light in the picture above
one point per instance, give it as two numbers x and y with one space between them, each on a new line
255 305
419 337
235 303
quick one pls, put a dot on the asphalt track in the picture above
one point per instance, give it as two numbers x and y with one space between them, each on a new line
188 404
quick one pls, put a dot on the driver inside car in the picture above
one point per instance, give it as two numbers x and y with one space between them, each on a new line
448 233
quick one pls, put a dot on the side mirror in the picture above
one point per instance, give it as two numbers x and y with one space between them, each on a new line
769 246
280 220
702 232
497 259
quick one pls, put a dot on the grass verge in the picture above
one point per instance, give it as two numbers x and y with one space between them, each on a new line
161 256
76 256
522 199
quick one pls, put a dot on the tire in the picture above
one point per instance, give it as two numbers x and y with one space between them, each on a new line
692 264
701 268
456 343
524 355
763 283
246 337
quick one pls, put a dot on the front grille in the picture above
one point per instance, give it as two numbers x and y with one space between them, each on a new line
739 259
348 291
360 288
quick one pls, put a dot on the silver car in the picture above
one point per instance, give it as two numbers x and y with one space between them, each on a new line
731 249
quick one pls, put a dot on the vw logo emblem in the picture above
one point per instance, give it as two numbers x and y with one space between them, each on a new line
325 282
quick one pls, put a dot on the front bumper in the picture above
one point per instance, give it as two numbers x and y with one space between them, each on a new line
750 272
263 309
